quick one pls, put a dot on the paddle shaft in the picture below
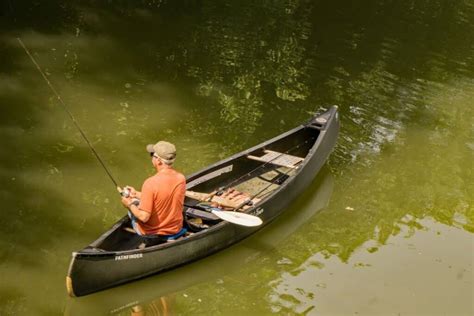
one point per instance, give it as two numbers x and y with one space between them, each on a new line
197 207
232 217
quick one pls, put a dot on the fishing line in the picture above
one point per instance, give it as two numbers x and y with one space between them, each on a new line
69 113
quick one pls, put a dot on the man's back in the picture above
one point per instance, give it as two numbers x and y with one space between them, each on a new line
163 197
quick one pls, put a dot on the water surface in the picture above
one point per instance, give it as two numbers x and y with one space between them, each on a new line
392 231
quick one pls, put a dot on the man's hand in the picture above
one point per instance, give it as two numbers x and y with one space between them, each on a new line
126 201
133 193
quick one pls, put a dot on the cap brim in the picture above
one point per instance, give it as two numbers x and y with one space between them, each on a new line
149 148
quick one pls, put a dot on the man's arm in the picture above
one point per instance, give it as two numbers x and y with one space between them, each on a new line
142 215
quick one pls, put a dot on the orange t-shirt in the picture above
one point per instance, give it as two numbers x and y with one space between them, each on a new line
163 197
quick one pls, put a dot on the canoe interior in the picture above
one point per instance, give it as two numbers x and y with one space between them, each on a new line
245 175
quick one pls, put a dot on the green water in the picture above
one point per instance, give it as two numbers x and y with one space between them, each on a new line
387 228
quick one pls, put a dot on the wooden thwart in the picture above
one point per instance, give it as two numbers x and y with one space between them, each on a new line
278 159
215 199
204 197
231 198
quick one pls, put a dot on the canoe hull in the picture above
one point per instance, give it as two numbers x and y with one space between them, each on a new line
91 272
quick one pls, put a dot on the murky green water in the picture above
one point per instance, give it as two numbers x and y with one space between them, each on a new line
386 229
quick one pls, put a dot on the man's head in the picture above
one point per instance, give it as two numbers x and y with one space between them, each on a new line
164 151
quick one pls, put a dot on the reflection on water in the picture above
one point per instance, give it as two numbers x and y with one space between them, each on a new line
161 306
369 283
217 78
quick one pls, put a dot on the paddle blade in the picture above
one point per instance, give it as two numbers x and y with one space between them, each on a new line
238 218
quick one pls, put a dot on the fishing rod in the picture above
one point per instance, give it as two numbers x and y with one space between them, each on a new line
221 190
249 200
71 116
232 217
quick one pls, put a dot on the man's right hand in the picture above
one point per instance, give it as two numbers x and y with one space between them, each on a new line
126 201
133 193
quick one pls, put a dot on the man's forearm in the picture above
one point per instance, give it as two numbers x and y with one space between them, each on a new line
138 213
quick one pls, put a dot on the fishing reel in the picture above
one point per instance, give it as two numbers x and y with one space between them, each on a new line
125 192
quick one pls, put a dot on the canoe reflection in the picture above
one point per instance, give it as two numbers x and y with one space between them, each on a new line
152 294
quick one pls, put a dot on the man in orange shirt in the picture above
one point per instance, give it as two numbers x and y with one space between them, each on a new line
159 211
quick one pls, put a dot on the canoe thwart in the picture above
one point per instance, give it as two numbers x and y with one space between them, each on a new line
279 159
231 198
204 197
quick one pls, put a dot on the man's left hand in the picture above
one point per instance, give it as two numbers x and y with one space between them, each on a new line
126 201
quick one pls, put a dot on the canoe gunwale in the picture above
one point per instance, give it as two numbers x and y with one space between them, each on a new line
91 267
219 164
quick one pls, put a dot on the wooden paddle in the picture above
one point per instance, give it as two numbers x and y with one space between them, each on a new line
237 218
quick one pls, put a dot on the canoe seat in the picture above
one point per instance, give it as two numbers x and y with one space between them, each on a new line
279 159
152 240
130 230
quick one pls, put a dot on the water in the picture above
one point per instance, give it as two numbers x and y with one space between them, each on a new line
387 228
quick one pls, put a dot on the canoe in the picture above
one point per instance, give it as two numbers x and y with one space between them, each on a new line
226 263
271 174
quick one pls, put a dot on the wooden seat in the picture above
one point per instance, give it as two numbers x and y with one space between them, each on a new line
229 199
204 197
130 230
279 159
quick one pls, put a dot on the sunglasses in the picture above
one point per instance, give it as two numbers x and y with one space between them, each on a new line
153 156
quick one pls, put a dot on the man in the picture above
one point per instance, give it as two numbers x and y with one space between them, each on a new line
160 208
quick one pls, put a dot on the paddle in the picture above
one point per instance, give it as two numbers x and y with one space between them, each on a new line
237 218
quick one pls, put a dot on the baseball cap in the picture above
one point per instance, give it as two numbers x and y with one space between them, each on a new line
165 150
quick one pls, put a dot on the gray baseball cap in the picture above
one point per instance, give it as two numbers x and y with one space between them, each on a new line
165 150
